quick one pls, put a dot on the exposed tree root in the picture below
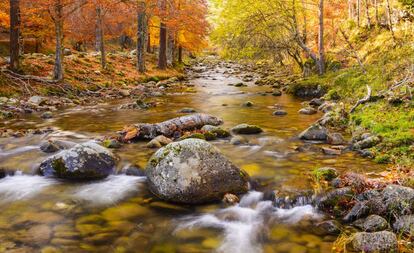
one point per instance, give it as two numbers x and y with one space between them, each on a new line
363 100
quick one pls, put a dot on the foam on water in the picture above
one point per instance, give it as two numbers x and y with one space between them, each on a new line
110 190
244 225
21 187
17 151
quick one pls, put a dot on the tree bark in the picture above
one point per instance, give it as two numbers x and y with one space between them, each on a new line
170 128
100 36
162 56
180 54
148 39
58 19
389 12
358 13
367 14
14 34
377 19
141 37
321 47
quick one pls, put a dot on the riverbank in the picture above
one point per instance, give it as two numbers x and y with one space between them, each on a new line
85 82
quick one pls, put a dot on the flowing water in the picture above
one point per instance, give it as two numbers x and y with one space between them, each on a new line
118 214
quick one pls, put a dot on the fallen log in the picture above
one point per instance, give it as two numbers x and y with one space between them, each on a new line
170 128
363 100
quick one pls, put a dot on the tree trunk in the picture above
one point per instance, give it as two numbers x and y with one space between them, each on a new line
58 69
141 37
367 14
162 56
377 19
170 50
350 9
14 34
180 54
321 47
148 39
389 12
100 36
170 128
358 12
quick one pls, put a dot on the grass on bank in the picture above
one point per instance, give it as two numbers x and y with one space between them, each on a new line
386 62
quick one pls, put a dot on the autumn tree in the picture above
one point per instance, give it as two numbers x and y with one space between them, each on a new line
14 34
162 54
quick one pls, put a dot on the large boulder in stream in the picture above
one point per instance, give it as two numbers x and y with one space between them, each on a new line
87 161
377 242
193 171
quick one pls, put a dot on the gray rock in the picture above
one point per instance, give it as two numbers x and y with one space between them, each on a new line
332 198
277 93
133 171
154 144
46 115
238 140
67 52
193 171
49 147
405 225
307 111
374 223
368 142
85 161
315 133
331 151
246 129
335 139
359 210
378 242
280 113
187 110
399 200
329 227
316 102
248 104
36 100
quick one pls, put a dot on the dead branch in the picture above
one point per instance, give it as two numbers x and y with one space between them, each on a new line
363 100
355 53
168 128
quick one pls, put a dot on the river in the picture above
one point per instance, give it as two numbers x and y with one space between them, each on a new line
118 214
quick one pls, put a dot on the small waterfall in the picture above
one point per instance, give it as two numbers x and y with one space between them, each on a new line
110 190
245 225
21 187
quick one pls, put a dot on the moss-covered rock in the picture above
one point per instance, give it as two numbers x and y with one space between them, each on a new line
86 161
193 171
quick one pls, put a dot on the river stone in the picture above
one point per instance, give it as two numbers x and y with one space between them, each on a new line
335 139
193 171
238 140
307 111
85 161
315 133
246 129
36 100
326 173
405 225
329 227
187 110
399 200
280 113
248 104
368 142
375 223
217 131
277 93
377 242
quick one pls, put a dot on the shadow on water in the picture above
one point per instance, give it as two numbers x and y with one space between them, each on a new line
118 214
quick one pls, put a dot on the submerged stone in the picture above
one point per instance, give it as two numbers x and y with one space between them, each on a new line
193 171
246 129
315 133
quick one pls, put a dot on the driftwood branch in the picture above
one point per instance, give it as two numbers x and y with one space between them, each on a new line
363 100
169 128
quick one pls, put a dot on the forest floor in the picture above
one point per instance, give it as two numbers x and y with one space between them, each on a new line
83 72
